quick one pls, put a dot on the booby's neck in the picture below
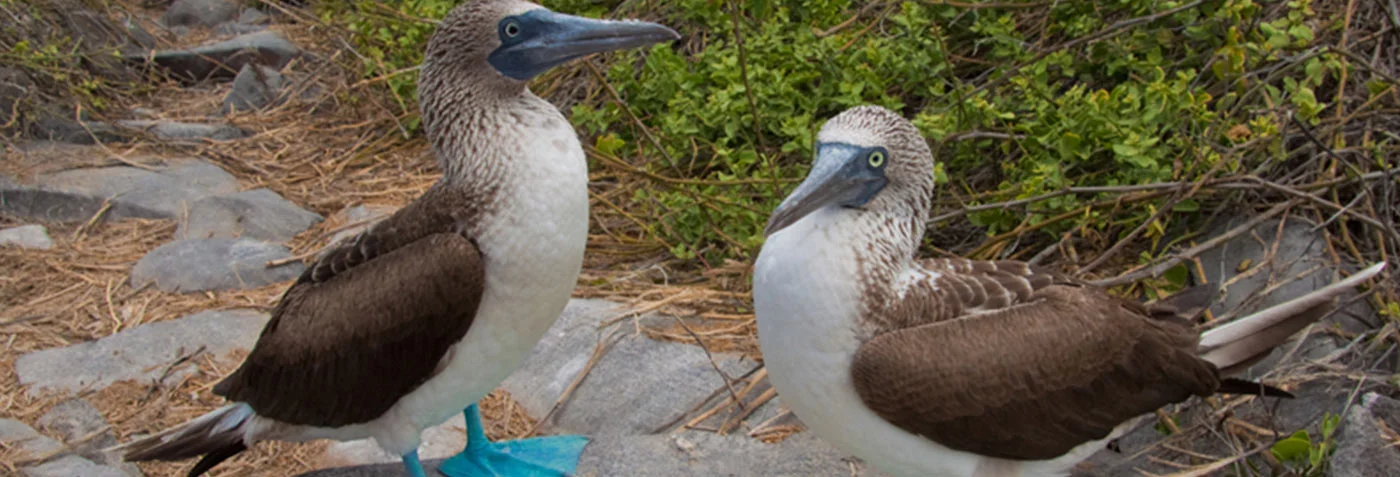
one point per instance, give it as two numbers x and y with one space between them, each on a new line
476 121
876 246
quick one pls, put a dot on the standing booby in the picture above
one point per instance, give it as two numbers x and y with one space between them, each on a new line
955 367
432 308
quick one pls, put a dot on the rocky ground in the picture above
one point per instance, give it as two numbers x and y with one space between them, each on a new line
141 253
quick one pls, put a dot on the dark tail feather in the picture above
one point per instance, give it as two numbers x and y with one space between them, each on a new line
216 436
215 458
1241 386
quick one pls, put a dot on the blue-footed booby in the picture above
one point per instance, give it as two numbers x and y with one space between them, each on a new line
430 309
961 368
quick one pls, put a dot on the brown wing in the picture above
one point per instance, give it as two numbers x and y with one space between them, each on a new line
367 324
1058 366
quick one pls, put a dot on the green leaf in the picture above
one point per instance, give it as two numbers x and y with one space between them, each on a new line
1302 33
608 144
1376 87
1294 448
1177 275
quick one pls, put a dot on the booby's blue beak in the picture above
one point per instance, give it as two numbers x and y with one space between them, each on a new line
538 40
843 175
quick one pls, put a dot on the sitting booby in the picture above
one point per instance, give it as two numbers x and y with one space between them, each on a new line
959 368
430 309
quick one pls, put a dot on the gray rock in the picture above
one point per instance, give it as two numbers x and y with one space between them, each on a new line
1142 449
143 352
213 264
26 236
257 214
71 466
77 194
676 377
1300 251
140 36
225 58
99 37
30 443
180 131
234 29
363 216
685 453
207 13
83 427
253 16
254 88
1362 449
54 127
73 419
68 130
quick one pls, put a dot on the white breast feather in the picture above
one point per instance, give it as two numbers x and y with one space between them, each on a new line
807 302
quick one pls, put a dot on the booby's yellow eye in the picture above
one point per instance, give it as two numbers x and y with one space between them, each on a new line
876 158
511 29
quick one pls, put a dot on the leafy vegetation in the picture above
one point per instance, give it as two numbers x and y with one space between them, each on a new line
1302 455
699 139
58 57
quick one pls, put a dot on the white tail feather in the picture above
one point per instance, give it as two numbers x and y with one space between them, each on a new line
1229 344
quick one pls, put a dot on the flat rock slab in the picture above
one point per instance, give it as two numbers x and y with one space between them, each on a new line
180 131
1364 448
257 214
29 442
213 264
253 16
255 88
26 236
70 131
78 422
639 386
78 194
687 453
142 352
224 59
72 466
1147 449
205 13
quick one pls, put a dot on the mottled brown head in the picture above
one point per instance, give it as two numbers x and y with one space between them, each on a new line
486 51
501 44
868 158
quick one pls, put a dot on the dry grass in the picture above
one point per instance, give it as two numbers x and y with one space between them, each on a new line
337 142
334 147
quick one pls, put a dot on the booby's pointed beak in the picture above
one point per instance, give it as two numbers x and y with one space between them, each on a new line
843 175
535 41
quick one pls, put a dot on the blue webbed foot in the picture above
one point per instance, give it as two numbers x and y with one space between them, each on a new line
551 456
410 462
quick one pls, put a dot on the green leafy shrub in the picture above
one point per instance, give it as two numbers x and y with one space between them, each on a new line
1027 98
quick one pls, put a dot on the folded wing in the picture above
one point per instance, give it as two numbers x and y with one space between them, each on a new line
366 325
1041 367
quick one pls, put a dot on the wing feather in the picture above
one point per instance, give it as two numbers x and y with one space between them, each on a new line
1023 365
369 322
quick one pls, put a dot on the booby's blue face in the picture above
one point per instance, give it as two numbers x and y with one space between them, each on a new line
537 40
843 175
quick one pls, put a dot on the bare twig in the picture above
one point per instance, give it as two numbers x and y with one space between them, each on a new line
728 382
1158 269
